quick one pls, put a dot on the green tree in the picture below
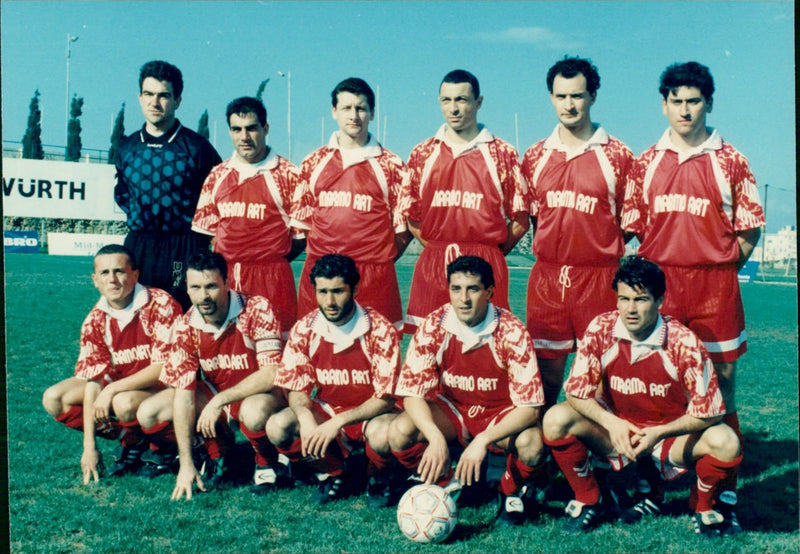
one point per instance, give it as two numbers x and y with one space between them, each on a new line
261 86
32 141
117 134
74 130
202 126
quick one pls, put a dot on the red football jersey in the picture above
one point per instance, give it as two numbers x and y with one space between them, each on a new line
344 370
576 198
686 208
464 193
648 383
495 367
348 201
119 343
249 339
246 208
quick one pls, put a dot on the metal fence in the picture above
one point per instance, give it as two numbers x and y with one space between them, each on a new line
53 152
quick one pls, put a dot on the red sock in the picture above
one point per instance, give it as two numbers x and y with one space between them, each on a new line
377 462
266 454
72 418
410 457
710 473
131 433
293 451
223 444
161 436
572 458
517 474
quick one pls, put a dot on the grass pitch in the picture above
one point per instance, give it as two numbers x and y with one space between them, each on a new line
50 510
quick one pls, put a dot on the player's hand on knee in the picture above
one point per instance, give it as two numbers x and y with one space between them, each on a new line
433 462
207 421
102 406
468 468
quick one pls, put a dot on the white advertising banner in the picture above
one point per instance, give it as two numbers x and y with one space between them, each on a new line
67 190
79 244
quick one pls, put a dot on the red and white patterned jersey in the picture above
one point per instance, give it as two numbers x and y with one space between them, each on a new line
246 208
119 343
648 383
493 367
248 340
576 198
464 193
686 208
345 369
348 201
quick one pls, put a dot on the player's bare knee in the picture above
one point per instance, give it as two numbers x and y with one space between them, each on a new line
529 446
125 406
377 434
279 428
557 421
255 412
51 401
402 432
722 442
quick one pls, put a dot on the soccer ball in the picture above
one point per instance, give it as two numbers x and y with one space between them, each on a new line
427 513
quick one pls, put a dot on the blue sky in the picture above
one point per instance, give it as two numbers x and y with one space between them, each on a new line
226 48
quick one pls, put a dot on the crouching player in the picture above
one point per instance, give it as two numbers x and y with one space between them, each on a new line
122 344
347 357
642 385
224 354
470 375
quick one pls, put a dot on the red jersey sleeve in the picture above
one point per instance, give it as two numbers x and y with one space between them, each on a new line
395 171
206 215
409 193
295 371
587 368
419 375
509 171
696 373
747 210
635 208
158 318
259 323
524 379
182 363
94 358
383 345
622 160
304 202
530 161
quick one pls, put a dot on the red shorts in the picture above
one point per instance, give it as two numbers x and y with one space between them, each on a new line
708 301
230 411
350 434
377 288
429 284
468 421
274 281
562 300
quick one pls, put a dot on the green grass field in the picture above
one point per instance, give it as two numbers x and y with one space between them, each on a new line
50 510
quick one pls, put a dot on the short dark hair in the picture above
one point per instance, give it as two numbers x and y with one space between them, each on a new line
117 249
354 85
571 67
162 71
689 74
206 260
331 266
640 273
473 265
463 76
245 105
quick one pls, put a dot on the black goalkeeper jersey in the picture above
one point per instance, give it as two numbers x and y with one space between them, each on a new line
159 178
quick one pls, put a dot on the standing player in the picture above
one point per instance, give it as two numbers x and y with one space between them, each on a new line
225 351
642 386
470 376
160 171
694 205
123 342
347 357
349 204
245 205
577 180
464 195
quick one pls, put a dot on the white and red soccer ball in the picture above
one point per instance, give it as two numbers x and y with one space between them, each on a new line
427 513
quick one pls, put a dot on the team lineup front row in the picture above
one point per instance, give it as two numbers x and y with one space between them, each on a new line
167 384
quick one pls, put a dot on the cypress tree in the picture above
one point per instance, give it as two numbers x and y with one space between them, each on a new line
32 141
117 134
202 126
74 130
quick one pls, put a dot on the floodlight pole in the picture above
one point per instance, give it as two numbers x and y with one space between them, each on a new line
70 40
288 76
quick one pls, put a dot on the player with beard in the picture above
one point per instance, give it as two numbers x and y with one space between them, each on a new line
340 365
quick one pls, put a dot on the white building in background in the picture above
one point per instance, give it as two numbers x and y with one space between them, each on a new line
778 248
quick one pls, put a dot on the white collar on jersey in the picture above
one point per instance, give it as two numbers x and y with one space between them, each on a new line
713 142
640 349
341 337
124 316
353 156
247 170
235 307
470 337
554 142
460 148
